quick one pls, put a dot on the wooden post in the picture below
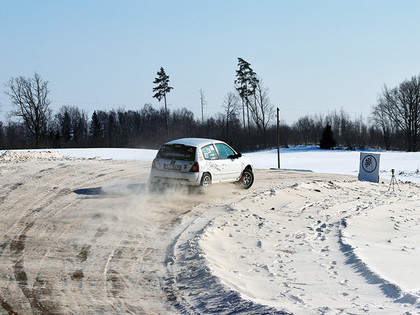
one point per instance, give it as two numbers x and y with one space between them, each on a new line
278 138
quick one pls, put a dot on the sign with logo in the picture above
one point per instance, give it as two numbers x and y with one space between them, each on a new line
369 167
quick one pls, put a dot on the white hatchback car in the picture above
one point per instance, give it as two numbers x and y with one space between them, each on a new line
200 162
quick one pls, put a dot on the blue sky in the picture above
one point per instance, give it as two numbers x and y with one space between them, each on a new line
314 56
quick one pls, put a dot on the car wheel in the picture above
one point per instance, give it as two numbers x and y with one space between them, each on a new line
247 179
206 181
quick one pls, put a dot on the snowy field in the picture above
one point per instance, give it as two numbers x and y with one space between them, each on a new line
80 233
405 164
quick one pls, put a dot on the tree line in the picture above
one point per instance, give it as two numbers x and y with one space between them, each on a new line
247 120
71 127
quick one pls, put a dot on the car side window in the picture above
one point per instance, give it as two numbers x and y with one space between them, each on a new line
224 151
209 152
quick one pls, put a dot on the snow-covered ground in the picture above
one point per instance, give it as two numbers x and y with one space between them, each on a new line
300 242
405 164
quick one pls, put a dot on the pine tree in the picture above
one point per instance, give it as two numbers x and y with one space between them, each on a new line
95 128
162 88
327 140
66 126
246 83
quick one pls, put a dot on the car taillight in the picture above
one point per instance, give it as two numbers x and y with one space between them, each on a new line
195 168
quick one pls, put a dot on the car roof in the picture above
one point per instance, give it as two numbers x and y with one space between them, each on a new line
194 141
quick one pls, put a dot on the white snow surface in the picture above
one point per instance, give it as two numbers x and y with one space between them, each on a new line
405 164
310 158
287 248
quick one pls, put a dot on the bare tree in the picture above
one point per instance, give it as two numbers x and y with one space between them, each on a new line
382 120
262 110
305 130
30 98
232 106
401 105
72 123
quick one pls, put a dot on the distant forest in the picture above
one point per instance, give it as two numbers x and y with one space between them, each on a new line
248 121
146 128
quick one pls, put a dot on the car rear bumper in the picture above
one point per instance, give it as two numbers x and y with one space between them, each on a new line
185 178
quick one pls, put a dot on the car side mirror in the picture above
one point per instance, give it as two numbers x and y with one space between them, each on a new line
235 156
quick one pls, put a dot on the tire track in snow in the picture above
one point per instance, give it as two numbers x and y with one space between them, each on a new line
191 286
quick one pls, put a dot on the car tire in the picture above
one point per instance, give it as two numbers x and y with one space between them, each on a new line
247 179
205 181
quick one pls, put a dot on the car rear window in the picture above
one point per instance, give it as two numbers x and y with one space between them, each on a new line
177 152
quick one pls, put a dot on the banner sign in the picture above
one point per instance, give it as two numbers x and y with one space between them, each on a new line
369 167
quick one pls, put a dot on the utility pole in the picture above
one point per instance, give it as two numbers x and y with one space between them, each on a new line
278 138
203 102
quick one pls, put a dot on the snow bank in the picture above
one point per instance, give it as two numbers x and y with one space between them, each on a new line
29 155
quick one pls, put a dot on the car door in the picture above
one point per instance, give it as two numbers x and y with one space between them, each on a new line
231 167
213 164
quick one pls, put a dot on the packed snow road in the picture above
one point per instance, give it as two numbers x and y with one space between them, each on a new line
85 236
82 236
